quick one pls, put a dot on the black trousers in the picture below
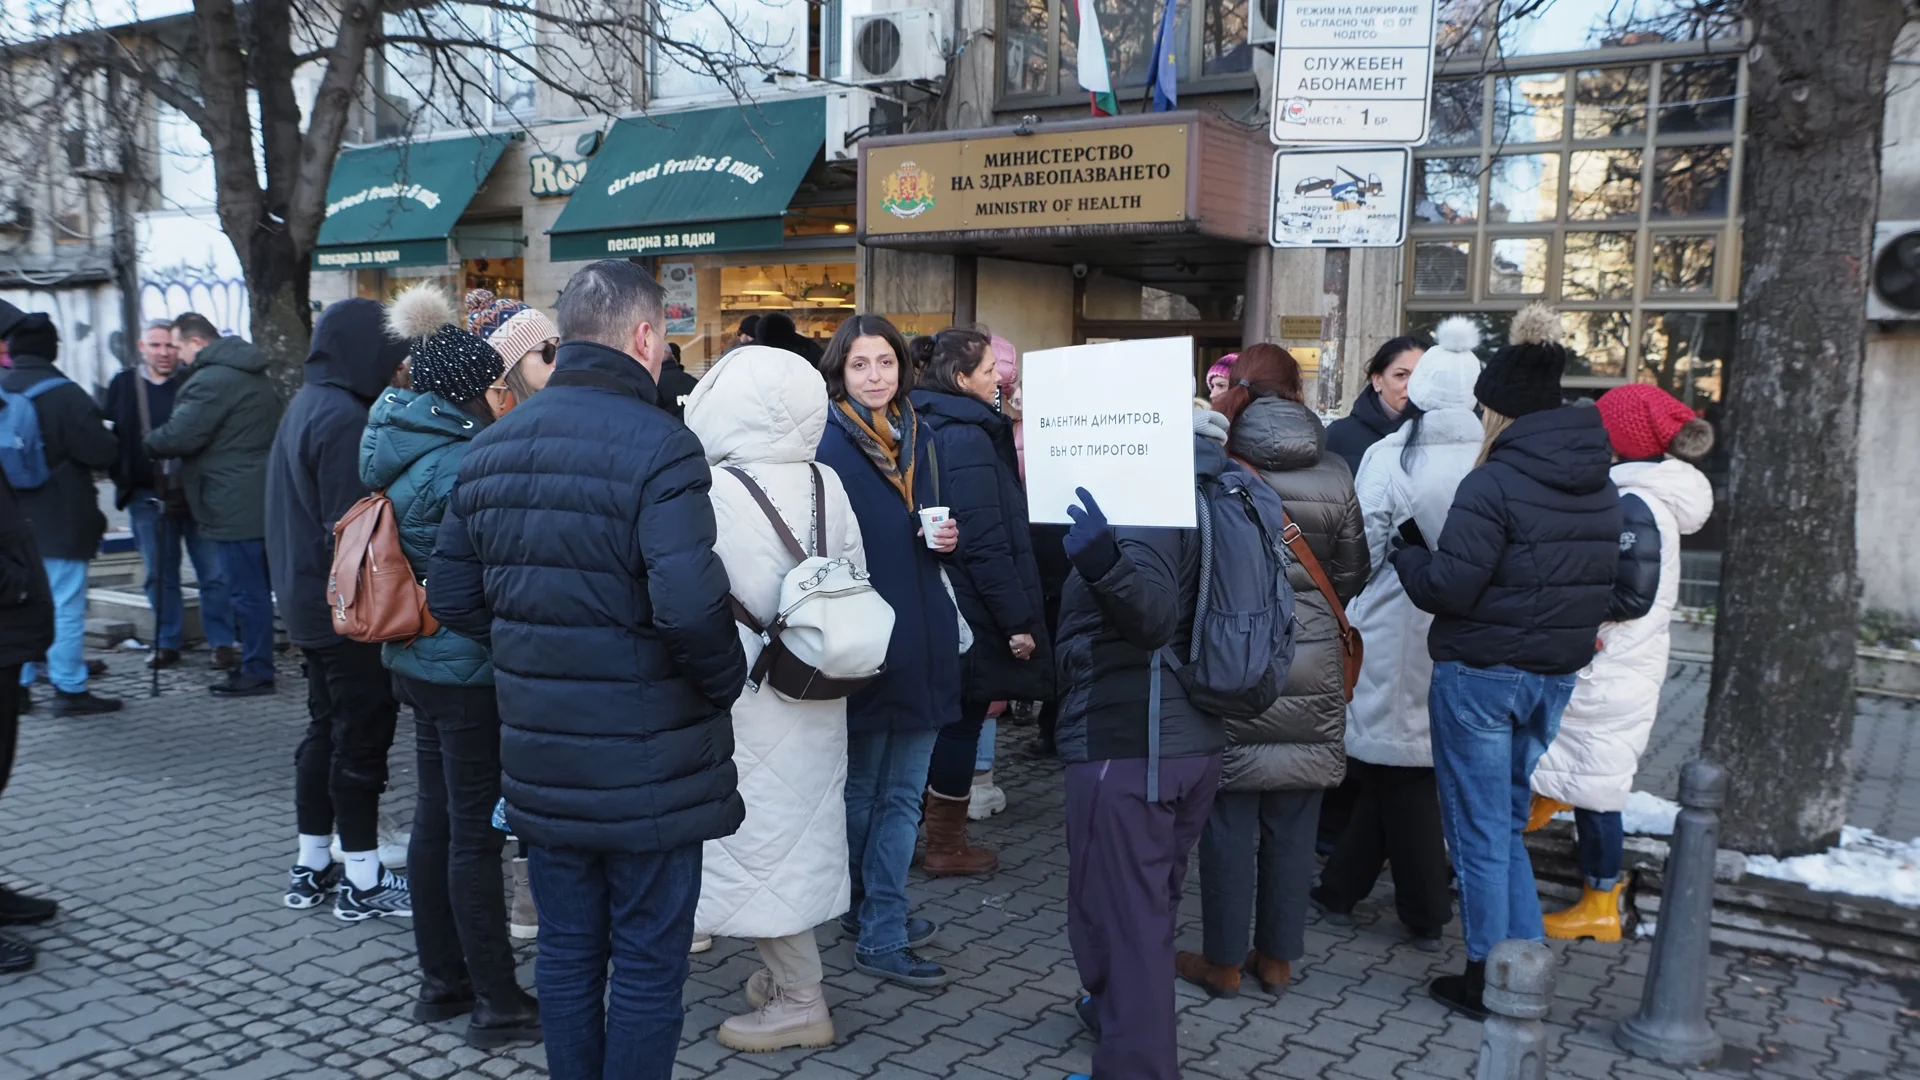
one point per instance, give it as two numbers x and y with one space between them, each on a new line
955 749
1396 816
9 720
341 766
453 860
1256 866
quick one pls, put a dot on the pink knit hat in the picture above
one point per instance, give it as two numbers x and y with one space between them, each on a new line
1224 368
522 334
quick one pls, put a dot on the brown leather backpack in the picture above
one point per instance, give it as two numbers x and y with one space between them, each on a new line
371 589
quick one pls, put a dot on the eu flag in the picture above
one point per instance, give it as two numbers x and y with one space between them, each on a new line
1161 78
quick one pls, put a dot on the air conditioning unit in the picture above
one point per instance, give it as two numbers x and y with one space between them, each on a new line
899 46
853 115
1893 286
1261 16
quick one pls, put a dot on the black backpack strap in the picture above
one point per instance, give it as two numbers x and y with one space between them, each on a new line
819 511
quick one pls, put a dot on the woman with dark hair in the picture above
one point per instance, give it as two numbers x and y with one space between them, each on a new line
1382 406
1256 855
879 449
995 579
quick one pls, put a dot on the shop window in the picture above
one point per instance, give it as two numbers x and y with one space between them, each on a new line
1517 266
1597 342
1685 353
1493 327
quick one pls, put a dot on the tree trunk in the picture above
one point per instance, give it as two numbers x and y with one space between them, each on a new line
1780 713
277 282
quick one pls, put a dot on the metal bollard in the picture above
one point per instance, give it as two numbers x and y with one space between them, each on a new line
1671 1026
1513 1041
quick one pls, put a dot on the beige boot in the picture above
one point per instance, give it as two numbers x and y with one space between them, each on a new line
790 1019
524 925
759 988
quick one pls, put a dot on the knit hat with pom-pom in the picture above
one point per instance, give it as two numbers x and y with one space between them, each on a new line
444 359
1444 377
1524 377
1644 421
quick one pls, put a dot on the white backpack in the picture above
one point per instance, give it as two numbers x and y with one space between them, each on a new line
830 636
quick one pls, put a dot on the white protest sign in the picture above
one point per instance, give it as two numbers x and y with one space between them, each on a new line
1116 419
1352 71
1341 198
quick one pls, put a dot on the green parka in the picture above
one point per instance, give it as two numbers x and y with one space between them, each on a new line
222 427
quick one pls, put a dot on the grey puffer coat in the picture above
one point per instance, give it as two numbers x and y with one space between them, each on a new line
1299 743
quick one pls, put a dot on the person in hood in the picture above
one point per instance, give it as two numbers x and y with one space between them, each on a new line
313 479
414 443
26 631
675 384
64 512
1382 407
1133 591
996 581
1256 856
221 428
777 330
1409 476
1518 585
1590 766
762 411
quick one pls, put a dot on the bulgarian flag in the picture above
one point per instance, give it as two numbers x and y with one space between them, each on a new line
1093 63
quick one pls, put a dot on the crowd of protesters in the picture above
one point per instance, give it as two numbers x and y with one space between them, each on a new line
605 544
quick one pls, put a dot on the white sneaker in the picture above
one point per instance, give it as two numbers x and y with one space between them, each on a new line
393 847
701 943
986 800
788 1020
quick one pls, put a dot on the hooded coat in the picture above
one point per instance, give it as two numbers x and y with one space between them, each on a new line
762 410
222 428
65 511
1609 719
1523 571
1297 744
313 476
1366 423
675 387
412 449
26 601
996 581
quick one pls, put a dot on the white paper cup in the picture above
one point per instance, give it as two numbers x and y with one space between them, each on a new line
931 516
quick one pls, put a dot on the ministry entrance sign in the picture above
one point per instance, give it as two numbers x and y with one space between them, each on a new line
1353 71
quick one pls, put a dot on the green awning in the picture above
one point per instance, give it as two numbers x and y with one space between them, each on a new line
394 205
714 180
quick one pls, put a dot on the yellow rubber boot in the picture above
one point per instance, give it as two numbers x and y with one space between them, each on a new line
1595 915
1542 811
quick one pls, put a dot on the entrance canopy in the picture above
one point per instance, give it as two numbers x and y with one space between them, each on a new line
394 205
706 181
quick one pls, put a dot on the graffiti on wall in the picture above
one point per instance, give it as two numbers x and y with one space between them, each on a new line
187 264
87 317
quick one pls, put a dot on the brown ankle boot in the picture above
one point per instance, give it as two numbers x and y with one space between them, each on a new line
1218 980
1273 975
948 853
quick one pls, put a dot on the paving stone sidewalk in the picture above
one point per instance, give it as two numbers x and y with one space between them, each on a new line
166 831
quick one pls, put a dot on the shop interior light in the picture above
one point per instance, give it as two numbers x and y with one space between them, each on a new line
825 292
842 227
760 285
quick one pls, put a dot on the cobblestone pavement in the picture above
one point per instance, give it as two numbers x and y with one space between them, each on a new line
165 833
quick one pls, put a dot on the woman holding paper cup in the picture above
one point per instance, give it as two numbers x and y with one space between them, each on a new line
995 579
881 452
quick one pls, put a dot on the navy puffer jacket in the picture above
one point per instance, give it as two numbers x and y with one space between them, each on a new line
1526 561
580 542
995 579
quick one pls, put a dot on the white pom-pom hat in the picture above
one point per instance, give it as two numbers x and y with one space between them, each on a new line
1444 377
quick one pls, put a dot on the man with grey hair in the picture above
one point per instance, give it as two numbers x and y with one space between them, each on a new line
579 543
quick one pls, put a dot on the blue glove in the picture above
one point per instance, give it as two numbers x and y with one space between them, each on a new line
1090 544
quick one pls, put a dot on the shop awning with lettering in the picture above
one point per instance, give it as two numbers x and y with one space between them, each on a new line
394 205
713 180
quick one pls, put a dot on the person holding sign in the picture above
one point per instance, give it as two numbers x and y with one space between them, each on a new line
879 449
995 579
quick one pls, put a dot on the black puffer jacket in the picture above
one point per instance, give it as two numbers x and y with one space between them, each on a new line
994 575
26 603
1365 424
1526 561
1300 742
1108 631
313 471
65 511
1637 584
579 542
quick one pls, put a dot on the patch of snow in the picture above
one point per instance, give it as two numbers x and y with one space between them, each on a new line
1865 864
1645 815
1646 927
131 645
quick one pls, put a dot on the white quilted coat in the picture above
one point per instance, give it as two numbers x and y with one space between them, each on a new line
1610 717
763 410
1387 719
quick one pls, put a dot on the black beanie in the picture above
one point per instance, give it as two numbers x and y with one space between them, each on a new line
10 317
34 335
1524 377
445 359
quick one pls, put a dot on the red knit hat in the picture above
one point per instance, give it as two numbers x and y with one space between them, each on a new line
1643 421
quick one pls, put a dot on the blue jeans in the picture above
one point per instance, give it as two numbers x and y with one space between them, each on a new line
1602 841
983 754
637 911
66 658
163 573
1490 728
245 562
886 780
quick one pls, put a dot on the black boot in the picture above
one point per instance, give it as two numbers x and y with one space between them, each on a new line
1461 993
496 1023
442 1001
18 910
15 956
